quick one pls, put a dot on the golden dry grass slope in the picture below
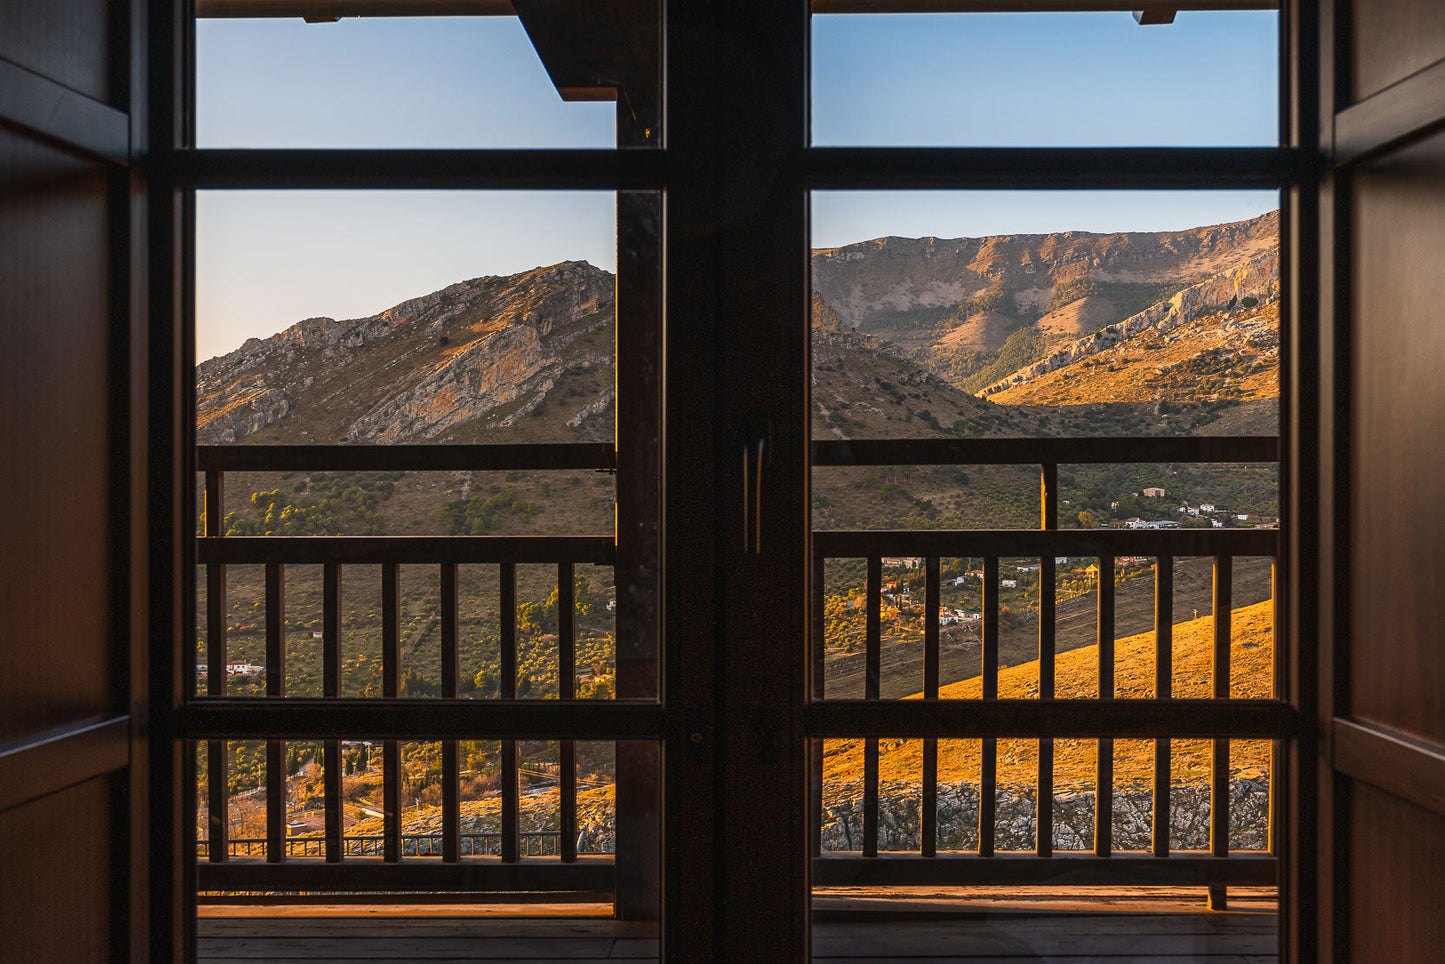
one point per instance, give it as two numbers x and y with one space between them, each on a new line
1077 677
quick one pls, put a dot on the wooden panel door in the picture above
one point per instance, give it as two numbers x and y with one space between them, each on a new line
72 805
1383 685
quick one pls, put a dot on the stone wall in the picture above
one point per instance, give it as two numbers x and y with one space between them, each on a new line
899 814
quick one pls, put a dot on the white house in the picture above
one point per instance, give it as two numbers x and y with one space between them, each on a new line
1207 507
1009 583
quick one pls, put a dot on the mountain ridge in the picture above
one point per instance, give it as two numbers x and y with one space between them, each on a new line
529 356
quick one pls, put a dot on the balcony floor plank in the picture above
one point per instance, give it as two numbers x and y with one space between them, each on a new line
976 936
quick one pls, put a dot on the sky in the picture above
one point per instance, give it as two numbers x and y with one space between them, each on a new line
266 259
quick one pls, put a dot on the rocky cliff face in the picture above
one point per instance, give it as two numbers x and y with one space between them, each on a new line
1258 279
895 322
531 353
474 356
868 284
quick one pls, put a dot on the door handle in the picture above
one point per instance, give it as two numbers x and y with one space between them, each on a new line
755 443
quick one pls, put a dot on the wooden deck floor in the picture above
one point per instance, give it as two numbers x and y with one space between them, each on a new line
848 927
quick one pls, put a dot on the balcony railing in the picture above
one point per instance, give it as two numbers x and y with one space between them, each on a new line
510 859
989 718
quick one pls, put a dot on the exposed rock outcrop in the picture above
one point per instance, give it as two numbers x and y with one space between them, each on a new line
1257 278
867 283
1073 812
477 353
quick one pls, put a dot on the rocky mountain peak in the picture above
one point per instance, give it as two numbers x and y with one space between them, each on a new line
478 351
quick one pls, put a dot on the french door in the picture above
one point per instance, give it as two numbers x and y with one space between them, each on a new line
719 573
737 314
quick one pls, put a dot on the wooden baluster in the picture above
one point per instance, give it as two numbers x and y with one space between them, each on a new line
567 690
988 746
510 791
1163 682
1104 765
928 818
1219 751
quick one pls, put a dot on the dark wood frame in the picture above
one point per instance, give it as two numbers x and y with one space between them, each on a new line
1354 760
638 725
728 739
1291 168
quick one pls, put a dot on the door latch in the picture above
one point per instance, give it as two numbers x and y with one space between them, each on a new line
755 445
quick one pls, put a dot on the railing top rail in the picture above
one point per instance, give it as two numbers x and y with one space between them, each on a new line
299 550
1040 451
1133 719
317 718
382 458
955 543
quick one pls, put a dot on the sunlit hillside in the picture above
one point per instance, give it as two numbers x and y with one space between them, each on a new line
1077 678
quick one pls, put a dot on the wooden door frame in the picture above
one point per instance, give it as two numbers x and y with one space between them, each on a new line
736 101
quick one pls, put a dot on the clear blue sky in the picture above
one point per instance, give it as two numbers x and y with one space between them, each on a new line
268 259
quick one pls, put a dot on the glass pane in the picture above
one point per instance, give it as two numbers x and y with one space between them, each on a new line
979 314
332 317
1046 80
425 82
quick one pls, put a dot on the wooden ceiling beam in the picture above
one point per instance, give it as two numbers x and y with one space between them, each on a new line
326 10
334 9
1147 7
602 50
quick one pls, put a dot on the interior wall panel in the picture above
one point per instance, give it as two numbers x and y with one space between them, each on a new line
60 859
1397 525
1393 875
1392 39
70 41
61 661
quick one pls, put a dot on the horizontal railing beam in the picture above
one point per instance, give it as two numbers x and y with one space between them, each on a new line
587 873
1083 869
404 458
965 543
413 719
411 550
1040 451
1134 719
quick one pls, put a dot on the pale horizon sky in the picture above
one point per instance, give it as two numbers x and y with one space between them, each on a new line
267 259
